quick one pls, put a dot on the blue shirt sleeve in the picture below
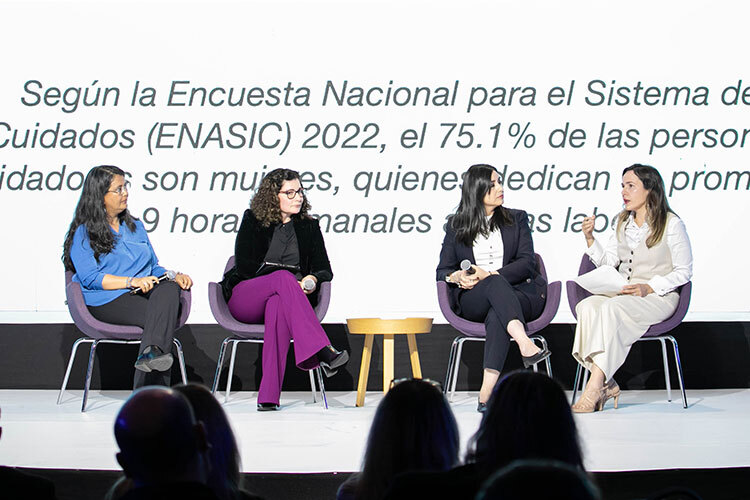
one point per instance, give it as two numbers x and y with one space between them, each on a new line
82 255
156 269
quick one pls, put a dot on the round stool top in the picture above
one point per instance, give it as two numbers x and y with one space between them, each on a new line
377 326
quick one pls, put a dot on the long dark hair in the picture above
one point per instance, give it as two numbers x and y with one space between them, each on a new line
265 203
413 430
527 416
470 218
224 477
657 206
91 214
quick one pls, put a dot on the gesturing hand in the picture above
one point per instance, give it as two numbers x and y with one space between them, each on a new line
639 290
587 227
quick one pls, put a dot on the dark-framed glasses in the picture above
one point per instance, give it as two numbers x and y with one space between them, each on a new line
291 193
122 189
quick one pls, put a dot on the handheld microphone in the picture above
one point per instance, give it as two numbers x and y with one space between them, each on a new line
168 276
466 266
308 285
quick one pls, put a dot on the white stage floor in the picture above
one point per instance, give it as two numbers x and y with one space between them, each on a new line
646 432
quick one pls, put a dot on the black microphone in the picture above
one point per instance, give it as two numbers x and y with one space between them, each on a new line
169 275
466 266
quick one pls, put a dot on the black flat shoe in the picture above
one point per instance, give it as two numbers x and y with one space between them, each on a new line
536 358
481 407
268 407
154 359
331 360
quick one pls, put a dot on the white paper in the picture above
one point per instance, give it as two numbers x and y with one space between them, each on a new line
604 280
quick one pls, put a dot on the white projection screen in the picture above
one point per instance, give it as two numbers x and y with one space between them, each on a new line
381 105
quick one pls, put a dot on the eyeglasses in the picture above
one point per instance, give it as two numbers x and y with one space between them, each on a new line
291 193
122 189
433 383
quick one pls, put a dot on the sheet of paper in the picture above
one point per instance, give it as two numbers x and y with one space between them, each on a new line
604 280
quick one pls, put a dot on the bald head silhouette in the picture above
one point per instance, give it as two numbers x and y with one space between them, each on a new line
160 441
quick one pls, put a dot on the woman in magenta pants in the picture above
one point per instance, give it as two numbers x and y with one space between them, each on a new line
280 259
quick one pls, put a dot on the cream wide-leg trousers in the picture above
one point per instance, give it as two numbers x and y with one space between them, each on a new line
608 327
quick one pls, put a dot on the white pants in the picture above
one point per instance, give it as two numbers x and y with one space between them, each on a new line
608 326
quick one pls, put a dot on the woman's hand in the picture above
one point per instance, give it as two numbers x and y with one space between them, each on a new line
302 283
464 280
639 290
145 283
587 228
184 281
480 273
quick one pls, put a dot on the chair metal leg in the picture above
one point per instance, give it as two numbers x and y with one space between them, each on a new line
449 371
180 359
456 365
70 366
667 382
312 386
679 369
89 373
319 373
220 364
576 383
548 361
231 369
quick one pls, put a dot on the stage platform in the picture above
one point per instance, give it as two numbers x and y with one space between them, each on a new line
645 433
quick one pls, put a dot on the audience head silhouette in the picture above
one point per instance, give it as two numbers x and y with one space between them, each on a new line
224 475
538 480
413 430
159 438
527 416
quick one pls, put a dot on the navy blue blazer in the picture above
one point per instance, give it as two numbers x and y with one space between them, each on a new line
519 262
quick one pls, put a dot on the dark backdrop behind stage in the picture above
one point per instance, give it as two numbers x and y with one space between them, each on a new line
33 356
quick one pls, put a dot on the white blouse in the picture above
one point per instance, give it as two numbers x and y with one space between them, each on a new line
488 251
676 239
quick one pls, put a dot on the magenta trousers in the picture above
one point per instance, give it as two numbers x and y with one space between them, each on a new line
278 301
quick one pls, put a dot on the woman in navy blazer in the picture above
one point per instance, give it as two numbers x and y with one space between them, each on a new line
503 287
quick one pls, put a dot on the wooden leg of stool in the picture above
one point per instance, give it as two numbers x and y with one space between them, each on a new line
364 370
416 369
387 361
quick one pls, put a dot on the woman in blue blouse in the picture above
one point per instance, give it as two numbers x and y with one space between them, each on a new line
109 252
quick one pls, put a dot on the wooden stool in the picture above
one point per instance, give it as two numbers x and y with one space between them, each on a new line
369 327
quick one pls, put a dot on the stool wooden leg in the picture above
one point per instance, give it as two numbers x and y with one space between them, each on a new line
416 369
387 361
364 370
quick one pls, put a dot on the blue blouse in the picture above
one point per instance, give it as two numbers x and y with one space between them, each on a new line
131 256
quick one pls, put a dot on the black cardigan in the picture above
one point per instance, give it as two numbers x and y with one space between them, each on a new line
253 240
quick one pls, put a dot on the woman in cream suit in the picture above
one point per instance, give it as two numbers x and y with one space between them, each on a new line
650 248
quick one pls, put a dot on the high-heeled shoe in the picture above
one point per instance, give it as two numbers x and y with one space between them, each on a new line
591 401
481 407
611 390
535 358
331 360
269 407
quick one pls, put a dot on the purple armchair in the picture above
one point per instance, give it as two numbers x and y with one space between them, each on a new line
97 332
252 333
655 332
475 331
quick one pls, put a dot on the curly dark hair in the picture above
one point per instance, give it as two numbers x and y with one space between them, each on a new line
265 203
90 212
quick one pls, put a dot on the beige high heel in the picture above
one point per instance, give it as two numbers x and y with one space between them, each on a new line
591 401
611 390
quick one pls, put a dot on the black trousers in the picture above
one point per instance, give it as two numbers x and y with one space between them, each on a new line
495 302
156 312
